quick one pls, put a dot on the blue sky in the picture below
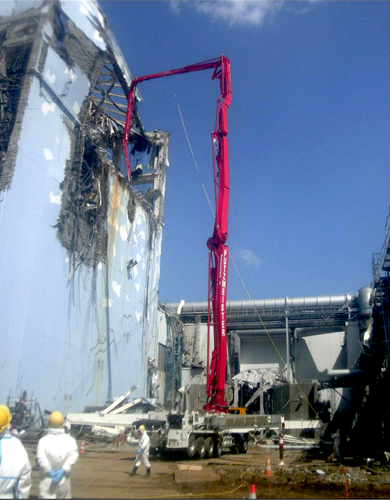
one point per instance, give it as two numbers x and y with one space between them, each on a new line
309 129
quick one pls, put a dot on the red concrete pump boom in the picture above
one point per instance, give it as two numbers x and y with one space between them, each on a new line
218 251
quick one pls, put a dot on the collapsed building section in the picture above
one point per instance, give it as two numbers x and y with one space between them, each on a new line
81 245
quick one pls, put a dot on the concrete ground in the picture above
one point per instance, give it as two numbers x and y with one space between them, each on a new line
104 472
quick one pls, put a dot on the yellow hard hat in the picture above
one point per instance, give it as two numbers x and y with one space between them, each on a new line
5 418
56 420
141 428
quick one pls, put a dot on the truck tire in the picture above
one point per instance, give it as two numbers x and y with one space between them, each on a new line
209 444
218 448
243 445
200 447
165 453
191 448
235 449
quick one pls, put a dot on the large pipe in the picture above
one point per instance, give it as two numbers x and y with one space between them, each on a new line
317 330
343 373
288 367
237 305
363 298
281 332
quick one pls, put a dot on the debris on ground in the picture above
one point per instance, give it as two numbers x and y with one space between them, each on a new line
112 421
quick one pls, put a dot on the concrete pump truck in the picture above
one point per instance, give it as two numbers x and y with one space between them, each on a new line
215 430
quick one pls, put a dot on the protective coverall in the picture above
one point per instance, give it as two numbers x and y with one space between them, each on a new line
142 453
57 450
15 468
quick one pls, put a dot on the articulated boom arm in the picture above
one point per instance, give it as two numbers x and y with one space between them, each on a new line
218 251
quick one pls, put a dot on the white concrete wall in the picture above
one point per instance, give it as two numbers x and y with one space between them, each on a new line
314 355
162 329
260 353
191 376
201 342
317 354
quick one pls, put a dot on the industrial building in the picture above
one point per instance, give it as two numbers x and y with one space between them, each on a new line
80 249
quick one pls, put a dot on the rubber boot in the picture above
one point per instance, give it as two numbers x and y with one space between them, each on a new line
148 471
133 471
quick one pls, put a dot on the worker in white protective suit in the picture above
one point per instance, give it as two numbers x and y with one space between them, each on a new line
142 452
15 468
56 454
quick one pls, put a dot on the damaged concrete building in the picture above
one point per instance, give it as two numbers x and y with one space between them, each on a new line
80 246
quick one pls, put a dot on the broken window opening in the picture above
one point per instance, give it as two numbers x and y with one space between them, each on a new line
143 152
108 108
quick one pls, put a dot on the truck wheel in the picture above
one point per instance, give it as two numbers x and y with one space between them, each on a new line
243 445
235 449
200 447
218 448
209 444
191 449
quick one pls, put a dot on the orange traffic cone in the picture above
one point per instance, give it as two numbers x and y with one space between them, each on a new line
252 494
268 470
82 448
346 481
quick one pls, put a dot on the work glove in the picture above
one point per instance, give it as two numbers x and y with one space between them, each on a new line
139 451
52 473
58 476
